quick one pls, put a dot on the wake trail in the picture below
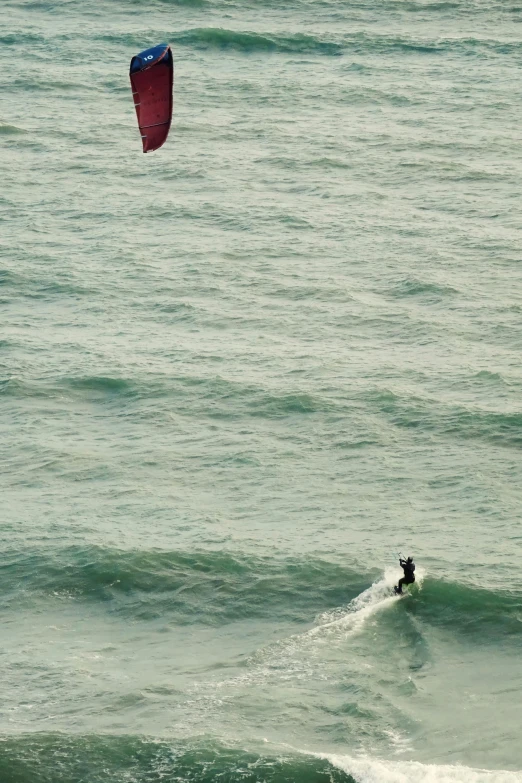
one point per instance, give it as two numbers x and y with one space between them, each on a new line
376 598
302 655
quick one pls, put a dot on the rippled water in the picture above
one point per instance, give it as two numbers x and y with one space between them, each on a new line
240 374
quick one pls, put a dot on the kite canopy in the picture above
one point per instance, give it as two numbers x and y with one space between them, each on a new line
152 76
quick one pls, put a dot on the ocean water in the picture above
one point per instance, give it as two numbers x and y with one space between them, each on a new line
241 374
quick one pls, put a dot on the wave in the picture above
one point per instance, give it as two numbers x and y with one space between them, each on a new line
16 285
219 38
456 421
214 397
13 39
215 588
369 770
197 587
10 130
424 7
162 3
251 42
429 291
468 609
92 387
68 758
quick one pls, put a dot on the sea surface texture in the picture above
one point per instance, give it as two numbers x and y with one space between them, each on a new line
240 375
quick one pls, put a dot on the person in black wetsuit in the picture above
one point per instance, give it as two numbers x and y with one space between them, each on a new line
409 574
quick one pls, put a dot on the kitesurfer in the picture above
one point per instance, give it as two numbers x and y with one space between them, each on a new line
408 567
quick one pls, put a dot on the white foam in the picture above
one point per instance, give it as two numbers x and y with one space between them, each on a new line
377 597
289 659
368 770
399 742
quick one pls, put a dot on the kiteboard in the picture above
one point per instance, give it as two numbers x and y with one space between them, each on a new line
404 593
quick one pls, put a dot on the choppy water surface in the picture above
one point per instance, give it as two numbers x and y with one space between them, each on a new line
240 374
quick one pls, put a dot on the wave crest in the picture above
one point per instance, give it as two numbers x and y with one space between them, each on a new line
219 38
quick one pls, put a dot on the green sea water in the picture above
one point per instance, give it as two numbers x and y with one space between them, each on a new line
239 375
